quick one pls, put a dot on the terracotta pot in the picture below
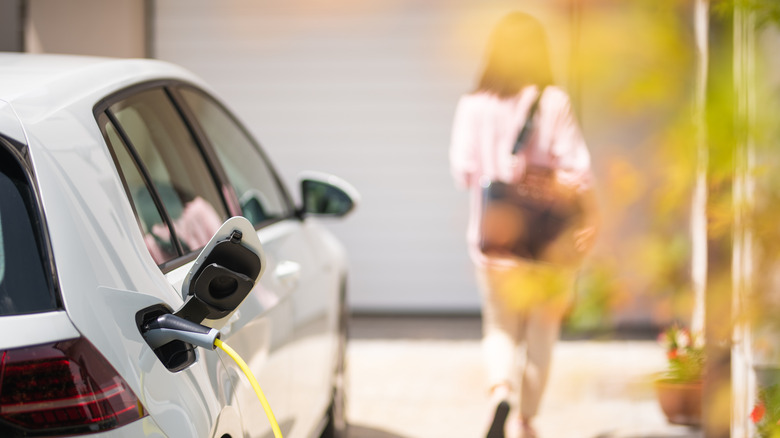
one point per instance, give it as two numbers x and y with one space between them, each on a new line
680 402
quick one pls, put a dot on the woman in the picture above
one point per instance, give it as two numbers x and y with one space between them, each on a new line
523 302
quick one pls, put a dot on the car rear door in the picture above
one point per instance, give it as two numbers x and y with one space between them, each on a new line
301 272
180 202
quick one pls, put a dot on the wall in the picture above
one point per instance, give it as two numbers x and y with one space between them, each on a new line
365 90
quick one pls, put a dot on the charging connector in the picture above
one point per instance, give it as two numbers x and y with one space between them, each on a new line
167 328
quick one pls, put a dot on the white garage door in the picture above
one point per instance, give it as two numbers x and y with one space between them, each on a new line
366 90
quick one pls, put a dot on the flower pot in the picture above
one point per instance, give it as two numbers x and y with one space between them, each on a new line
680 401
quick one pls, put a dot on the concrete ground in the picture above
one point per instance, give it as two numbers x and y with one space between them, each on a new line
416 377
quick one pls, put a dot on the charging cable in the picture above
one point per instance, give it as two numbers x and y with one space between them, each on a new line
255 385
168 327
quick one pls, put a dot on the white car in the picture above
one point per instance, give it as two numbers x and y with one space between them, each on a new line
114 175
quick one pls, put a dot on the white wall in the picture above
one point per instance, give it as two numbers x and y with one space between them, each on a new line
365 90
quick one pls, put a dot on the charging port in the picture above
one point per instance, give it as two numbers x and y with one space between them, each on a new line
175 355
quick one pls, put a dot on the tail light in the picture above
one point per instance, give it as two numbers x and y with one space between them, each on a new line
63 388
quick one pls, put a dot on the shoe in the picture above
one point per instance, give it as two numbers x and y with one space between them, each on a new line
499 419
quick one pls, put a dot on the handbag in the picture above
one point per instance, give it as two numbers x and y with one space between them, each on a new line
533 219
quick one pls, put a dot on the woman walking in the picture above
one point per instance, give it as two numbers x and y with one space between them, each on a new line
523 302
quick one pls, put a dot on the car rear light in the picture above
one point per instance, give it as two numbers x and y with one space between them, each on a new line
63 388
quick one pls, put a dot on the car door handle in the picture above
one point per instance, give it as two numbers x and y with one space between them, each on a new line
288 273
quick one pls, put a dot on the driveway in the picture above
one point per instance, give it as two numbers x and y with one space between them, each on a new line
422 377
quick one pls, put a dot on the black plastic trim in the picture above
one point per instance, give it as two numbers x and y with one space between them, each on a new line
209 157
230 200
215 167
144 174
102 108
291 208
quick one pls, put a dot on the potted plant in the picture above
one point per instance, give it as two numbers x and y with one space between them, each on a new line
679 387
766 413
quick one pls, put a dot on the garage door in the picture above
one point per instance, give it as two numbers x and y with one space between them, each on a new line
365 90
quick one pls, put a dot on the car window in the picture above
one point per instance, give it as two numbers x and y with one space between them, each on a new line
24 283
157 235
259 193
175 165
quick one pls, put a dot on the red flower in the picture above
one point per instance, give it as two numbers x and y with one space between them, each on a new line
758 413
672 354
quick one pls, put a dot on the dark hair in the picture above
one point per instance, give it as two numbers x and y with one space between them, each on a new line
517 56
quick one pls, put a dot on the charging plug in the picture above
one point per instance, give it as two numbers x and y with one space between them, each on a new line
167 328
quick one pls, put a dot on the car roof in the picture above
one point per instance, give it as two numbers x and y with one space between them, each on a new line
38 84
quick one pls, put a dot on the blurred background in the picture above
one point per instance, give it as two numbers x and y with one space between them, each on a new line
678 101
367 90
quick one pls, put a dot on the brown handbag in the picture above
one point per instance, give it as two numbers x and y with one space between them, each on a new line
533 219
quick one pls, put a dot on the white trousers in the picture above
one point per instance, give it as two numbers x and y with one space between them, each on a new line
522 310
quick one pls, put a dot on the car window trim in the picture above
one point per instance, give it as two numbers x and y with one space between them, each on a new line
164 85
102 120
103 107
198 129
111 118
229 199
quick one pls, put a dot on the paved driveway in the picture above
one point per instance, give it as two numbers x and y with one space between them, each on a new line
414 377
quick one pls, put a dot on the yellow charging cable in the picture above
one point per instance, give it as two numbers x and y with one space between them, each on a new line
245 368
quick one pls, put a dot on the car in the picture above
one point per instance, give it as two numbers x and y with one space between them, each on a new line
116 177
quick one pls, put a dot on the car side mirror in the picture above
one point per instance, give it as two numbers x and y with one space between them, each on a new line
224 273
327 195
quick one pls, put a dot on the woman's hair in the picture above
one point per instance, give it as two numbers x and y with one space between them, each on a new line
517 56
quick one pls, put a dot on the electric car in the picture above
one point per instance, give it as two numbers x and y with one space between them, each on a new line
114 175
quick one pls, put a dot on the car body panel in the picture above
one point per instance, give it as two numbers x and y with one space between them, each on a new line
118 279
10 125
36 329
